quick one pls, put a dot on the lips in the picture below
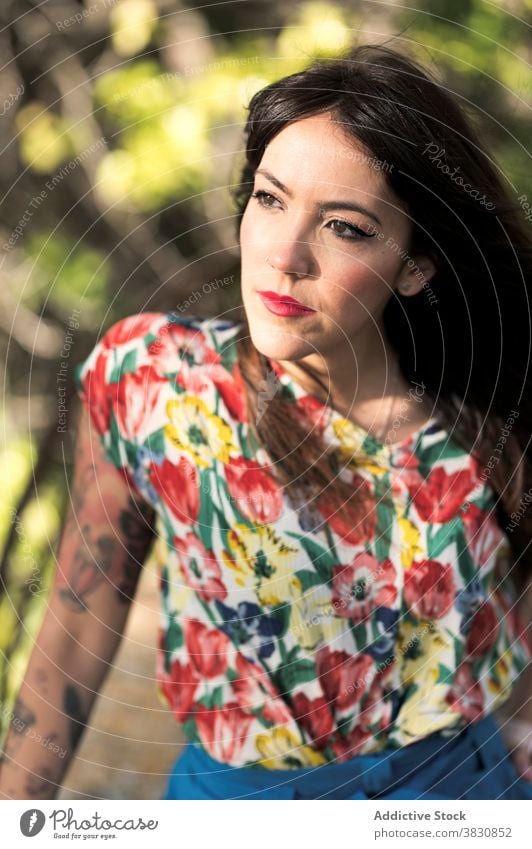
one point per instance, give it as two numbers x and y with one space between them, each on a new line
274 297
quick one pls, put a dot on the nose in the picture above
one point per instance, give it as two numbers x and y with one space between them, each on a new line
291 257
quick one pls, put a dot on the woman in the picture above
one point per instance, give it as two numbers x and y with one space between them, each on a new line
331 475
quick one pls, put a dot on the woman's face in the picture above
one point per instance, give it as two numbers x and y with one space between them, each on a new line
301 240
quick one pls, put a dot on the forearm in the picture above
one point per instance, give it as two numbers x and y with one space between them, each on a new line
50 714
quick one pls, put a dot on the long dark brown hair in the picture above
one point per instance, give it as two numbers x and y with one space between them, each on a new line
469 343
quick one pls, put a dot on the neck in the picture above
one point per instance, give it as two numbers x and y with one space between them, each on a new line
362 381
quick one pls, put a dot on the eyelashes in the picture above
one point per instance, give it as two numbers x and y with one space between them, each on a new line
356 232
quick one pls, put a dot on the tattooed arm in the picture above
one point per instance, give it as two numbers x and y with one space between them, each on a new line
105 540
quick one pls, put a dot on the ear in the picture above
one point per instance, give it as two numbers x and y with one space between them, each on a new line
416 271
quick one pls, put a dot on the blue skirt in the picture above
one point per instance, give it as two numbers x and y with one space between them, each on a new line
474 764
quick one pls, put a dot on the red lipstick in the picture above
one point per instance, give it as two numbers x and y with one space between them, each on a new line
284 304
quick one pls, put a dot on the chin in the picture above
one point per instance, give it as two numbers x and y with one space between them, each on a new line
277 344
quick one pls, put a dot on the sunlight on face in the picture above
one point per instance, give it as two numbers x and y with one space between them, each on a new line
342 262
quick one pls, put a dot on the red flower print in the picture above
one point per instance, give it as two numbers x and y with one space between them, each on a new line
483 534
362 586
429 589
131 327
346 748
178 348
439 497
483 631
207 648
223 731
135 400
405 458
179 687
465 695
231 388
257 495
178 486
313 412
253 689
375 709
200 568
364 517
95 392
343 677
314 716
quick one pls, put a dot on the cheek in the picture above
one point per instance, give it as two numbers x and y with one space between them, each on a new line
357 287
249 231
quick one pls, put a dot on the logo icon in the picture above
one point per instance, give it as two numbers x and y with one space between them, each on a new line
32 822
267 389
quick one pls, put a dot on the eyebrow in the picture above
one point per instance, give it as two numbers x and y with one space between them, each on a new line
326 205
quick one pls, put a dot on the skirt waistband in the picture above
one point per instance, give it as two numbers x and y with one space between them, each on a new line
461 766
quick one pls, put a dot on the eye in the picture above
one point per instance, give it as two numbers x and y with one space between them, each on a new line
356 232
267 200
263 198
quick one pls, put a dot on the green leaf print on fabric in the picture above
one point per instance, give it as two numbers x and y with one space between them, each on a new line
156 441
128 365
321 558
445 675
437 541
291 675
113 449
206 513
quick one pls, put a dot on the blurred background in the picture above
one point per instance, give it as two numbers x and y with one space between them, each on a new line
120 138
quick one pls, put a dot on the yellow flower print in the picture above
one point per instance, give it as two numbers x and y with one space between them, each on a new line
424 712
164 556
259 553
422 648
410 546
501 679
350 437
199 432
313 619
282 749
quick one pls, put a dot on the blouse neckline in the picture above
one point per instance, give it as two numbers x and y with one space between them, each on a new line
348 432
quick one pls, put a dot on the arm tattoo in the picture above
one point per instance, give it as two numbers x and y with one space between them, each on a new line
138 533
73 709
78 499
99 561
21 721
89 569
40 784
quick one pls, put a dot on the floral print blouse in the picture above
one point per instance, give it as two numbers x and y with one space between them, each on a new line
289 638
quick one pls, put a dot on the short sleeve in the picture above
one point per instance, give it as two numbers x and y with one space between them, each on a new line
108 383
